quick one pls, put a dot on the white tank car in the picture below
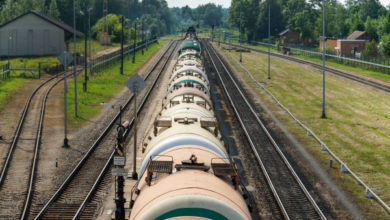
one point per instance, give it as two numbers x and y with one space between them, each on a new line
185 172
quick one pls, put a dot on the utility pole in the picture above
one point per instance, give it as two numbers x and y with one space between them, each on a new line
230 44
66 144
129 25
9 45
142 24
89 38
122 39
135 175
135 39
323 115
66 59
75 59
146 39
85 56
269 39
240 36
142 36
219 38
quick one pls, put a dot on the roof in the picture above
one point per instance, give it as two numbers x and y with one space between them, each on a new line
351 40
49 19
320 38
356 35
284 32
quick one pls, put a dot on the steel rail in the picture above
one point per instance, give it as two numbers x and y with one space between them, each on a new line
38 138
24 114
324 147
18 130
269 181
91 150
277 148
127 131
364 81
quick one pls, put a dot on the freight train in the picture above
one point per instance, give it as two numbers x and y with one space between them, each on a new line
186 172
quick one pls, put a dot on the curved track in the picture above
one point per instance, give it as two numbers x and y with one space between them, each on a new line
76 191
295 202
17 174
365 81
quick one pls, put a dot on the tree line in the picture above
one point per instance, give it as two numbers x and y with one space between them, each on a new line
305 17
154 14
203 16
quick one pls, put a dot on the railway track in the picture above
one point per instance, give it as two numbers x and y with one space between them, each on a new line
18 171
294 200
73 199
364 81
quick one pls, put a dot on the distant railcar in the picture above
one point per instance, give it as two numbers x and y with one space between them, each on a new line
186 172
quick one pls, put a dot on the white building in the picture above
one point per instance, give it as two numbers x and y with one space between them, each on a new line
34 34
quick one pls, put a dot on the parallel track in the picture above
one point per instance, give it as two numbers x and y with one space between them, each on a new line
75 192
295 202
365 81
17 174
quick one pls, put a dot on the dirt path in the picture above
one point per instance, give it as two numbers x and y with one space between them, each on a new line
9 116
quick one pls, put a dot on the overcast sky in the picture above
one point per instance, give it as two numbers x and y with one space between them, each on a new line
224 3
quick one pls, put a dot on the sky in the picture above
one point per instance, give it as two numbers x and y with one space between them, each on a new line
224 3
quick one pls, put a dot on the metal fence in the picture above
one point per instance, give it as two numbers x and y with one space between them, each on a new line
103 62
368 63
344 168
5 72
98 64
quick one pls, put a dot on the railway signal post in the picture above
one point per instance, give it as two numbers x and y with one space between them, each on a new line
119 171
65 58
135 84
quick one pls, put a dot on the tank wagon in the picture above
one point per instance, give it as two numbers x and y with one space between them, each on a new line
186 172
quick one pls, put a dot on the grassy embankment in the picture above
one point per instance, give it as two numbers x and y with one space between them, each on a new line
357 128
331 63
103 86
19 78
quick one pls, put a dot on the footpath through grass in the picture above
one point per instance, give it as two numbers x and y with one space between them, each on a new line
103 86
357 128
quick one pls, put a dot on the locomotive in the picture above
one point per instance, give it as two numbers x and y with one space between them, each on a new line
186 171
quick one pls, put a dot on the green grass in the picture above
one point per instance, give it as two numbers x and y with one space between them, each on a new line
9 87
95 45
30 62
103 86
18 79
357 128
